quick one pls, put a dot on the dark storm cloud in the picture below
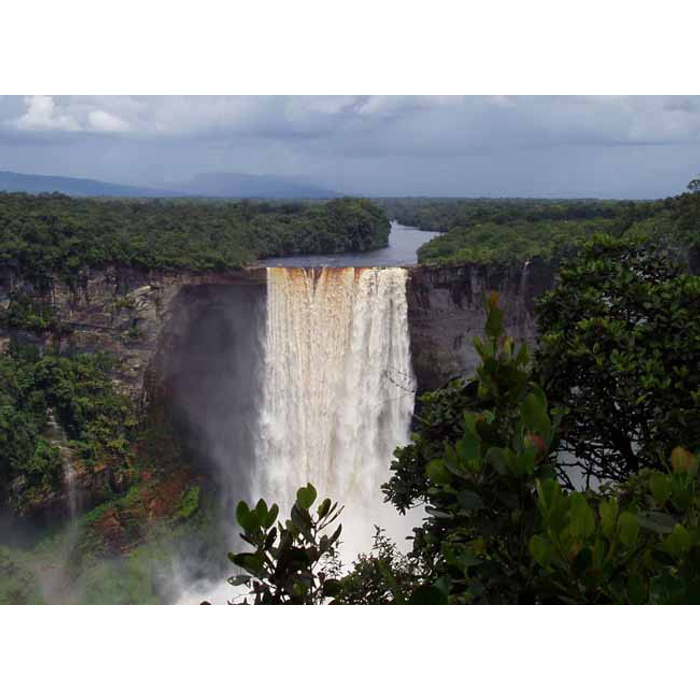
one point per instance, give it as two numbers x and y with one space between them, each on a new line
495 145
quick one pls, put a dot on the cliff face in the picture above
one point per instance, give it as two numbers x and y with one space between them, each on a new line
445 311
141 319
139 316
120 310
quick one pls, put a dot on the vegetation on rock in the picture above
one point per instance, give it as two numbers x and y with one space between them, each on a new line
79 392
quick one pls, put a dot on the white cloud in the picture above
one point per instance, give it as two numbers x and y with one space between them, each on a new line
99 120
42 115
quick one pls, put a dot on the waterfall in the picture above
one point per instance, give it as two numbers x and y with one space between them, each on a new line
338 391
58 438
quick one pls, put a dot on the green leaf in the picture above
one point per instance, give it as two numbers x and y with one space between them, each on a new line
608 511
470 501
252 563
437 472
534 415
324 508
679 541
469 448
628 529
247 519
660 487
306 496
301 520
261 510
636 590
541 550
494 322
271 516
681 460
242 513
581 519
470 423
336 534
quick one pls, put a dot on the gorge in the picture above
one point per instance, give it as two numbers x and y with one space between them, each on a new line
268 378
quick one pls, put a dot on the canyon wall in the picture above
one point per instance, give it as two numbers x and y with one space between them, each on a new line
445 311
125 311
140 316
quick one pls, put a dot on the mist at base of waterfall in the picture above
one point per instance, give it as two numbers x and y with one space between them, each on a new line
336 398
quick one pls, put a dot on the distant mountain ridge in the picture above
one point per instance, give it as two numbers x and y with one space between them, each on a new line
75 186
218 185
253 186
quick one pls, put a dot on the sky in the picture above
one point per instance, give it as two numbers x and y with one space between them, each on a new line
560 146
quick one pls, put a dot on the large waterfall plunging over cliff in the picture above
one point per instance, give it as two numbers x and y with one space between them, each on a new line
338 390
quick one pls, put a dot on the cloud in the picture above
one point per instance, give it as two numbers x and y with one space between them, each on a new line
42 115
407 125
365 143
100 120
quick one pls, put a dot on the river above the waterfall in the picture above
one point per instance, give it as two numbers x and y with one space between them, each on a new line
402 250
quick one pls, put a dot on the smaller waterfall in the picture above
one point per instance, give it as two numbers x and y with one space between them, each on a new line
58 437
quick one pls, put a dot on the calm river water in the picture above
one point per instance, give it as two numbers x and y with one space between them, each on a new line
404 242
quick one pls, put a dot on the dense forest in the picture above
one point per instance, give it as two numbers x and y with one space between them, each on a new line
443 214
48 234
507 230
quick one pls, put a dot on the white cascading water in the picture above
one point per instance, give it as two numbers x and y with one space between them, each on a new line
338 392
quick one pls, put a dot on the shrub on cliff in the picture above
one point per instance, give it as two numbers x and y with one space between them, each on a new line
619 349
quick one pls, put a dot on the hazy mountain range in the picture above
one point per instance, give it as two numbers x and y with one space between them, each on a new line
221 185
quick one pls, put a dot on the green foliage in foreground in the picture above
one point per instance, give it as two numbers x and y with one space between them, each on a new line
499 526
286 566
44 235
619 348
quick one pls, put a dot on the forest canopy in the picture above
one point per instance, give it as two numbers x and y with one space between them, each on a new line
48 234
510 230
